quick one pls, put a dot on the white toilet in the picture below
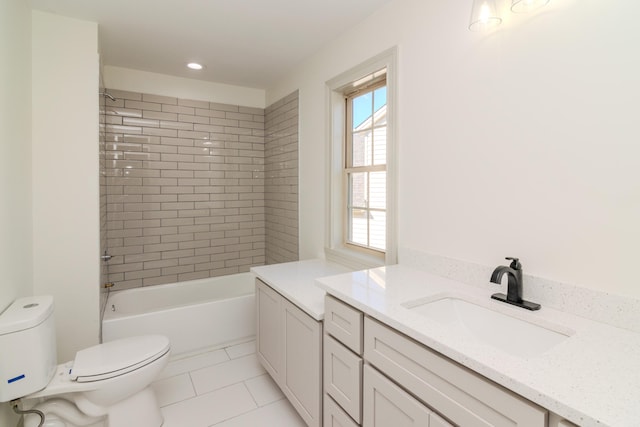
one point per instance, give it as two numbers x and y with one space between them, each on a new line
107 383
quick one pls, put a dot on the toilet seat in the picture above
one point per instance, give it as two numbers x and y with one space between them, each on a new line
115 358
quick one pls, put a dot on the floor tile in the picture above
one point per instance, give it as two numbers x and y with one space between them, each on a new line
181 366
264 390
210 408
280 414
233 391
240 350
174 389
226 373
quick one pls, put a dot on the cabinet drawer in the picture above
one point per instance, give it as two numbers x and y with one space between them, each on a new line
344 323
459 394
386 404
334 416
343 376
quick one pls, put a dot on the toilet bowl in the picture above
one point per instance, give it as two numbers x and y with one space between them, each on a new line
106 383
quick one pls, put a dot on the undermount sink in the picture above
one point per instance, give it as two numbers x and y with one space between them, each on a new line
481 324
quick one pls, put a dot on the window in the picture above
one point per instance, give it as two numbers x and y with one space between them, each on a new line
366 167
361 214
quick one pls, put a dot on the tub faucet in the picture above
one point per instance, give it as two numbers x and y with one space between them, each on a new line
514 287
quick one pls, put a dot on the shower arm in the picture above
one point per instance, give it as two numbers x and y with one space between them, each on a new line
106 95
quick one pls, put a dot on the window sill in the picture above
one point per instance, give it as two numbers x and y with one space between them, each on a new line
352 259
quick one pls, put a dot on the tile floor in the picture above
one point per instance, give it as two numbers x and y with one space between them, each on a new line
222 388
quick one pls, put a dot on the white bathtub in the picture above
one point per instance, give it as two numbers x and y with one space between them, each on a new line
194 315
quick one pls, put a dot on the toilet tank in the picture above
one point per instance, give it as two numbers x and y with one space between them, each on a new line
27 347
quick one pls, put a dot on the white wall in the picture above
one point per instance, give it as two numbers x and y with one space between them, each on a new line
65 175
180 87
523 142
15 159
15 151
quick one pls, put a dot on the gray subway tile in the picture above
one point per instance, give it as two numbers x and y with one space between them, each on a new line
159 99
197 191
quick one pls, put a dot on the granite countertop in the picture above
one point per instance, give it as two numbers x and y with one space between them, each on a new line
296 282
592 378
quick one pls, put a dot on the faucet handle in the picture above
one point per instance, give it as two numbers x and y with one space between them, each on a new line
515 263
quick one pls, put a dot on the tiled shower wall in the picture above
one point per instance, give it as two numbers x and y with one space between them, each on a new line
184 189
281 180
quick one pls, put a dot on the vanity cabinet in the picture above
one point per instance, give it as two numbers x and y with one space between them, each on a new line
289 347
376 376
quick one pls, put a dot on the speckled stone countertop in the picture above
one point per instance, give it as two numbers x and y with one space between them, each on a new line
592 378
296 282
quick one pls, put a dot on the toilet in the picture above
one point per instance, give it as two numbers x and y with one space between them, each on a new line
107 384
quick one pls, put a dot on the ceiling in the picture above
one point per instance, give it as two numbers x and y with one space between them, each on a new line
251 43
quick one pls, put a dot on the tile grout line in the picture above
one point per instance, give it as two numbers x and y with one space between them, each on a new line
256 405
240 414
250 394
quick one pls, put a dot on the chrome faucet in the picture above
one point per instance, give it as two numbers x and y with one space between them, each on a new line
514 287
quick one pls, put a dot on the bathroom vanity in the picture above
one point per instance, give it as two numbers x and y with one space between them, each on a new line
372 373
289 314
397 352
394 346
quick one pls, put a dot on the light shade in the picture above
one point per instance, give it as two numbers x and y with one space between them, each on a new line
524 6
195 66
484 15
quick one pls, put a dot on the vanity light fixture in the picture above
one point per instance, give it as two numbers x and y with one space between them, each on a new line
524 6
484 15
195 66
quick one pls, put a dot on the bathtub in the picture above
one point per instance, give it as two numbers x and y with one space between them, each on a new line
194 315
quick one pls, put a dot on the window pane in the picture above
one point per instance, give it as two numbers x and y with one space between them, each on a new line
361 148
378 230
380 146
358 190
379 98
362 111
380 106
358 226
378 190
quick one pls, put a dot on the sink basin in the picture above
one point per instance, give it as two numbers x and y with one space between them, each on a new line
481 324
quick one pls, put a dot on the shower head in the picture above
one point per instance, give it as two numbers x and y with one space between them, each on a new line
106 95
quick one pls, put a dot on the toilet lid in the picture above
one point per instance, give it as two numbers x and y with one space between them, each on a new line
118 357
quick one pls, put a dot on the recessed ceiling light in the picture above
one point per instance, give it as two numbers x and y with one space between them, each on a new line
195 66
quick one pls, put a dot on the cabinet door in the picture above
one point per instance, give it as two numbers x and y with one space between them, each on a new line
385 404
269 329
303 363
334 416
343 376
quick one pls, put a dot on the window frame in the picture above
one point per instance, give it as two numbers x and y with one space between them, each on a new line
337 89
